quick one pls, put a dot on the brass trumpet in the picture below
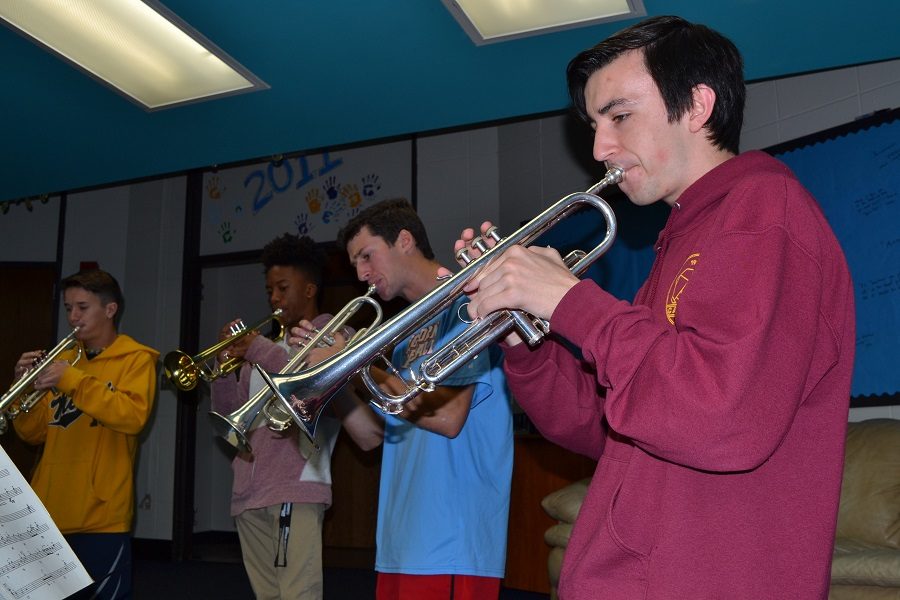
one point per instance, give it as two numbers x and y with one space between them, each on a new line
186 371
235 426
22 396
305 394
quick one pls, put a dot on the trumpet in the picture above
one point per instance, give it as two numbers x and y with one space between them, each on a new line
186 371
22 396
304 394
235 426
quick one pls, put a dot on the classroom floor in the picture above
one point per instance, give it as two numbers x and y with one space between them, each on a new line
218 573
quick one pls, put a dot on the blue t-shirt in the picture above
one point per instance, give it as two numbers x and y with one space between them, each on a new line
444 503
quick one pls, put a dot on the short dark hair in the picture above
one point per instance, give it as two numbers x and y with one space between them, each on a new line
386 219
679 55
101 284
301 253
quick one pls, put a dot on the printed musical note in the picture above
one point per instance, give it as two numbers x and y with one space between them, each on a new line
9 494
43 580
29 532
15 516
36 562
27 559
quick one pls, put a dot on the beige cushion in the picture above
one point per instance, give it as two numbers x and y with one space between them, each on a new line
862 592
870 494
554 564
558 535
563 504
864 564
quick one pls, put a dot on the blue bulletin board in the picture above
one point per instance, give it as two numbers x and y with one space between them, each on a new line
244 207
854 173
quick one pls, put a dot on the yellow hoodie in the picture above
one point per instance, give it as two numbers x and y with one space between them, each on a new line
85 476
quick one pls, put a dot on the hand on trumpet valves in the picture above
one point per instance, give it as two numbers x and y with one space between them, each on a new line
301 334
50 375
305 332
532 279
239 347
26 362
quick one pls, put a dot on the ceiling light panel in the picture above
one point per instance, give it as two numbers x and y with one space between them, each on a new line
140 48
489 21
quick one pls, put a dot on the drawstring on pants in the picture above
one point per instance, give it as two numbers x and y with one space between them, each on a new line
284 531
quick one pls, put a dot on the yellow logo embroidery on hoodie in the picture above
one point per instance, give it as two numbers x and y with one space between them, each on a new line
679 284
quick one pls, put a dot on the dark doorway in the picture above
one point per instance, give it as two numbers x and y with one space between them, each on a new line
28 306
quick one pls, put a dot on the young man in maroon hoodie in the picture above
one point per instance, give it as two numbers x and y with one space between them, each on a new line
716 402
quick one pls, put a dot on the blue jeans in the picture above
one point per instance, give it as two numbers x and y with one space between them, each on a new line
107 559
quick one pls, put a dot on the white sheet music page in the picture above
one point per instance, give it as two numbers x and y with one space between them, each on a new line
36 562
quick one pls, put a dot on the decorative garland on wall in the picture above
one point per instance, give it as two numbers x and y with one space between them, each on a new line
29 203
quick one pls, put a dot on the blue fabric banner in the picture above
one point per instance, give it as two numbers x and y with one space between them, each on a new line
856 179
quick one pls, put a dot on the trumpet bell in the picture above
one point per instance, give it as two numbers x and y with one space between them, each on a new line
305 416
235 432
181 370
186 371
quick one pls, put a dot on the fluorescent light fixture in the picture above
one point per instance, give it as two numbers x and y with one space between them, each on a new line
489 21
139 48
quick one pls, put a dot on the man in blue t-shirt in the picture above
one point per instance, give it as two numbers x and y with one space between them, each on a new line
447 461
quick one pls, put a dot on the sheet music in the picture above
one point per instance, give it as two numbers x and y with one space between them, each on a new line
36 562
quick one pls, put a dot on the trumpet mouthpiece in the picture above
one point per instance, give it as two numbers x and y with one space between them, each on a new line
615 175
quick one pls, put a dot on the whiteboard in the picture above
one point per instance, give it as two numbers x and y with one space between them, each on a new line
316 194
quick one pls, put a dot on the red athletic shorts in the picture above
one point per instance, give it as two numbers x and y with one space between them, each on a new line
399 586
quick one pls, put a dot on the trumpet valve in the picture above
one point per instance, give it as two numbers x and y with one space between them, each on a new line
236 328
37 360
480 244
326 340
492 233
463 256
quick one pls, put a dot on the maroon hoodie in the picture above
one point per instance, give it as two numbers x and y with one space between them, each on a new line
716 403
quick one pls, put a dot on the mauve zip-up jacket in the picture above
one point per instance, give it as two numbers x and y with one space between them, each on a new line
272 474
716 403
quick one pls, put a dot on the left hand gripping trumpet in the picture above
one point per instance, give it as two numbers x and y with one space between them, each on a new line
22 396
305 394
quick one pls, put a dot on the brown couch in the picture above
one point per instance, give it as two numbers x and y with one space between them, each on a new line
866 563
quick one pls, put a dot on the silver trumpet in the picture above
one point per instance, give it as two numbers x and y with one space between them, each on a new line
305 393
22 396
235 427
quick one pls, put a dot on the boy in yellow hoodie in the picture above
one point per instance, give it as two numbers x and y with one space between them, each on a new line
89 426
